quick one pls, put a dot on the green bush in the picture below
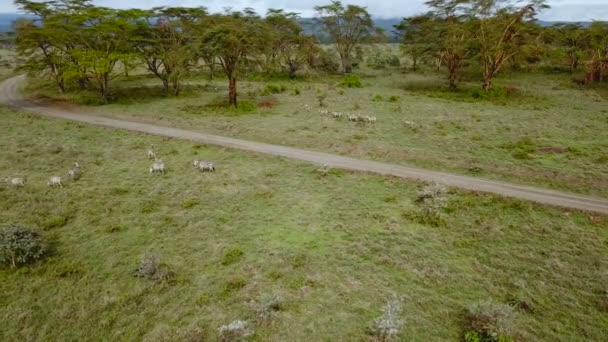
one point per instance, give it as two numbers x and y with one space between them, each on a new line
377 98
351 81
19 246
393 98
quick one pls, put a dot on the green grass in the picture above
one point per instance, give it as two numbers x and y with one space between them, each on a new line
454 131
334 246
8 61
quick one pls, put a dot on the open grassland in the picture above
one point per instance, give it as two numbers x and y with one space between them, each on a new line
535 129
335 247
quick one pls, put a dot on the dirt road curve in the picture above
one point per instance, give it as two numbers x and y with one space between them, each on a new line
9 95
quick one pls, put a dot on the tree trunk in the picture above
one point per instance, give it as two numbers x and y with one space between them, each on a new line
487 83
292 69
211 71
176 88
348 67
61 85
165 86
81 83
232 91
414 63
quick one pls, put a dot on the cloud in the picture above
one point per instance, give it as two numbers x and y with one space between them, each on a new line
564 10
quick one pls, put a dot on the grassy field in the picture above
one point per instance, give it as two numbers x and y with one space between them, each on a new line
334 247
538 129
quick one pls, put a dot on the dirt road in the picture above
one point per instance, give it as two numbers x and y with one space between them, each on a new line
9 95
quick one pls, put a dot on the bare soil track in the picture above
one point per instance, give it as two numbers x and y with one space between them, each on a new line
9 95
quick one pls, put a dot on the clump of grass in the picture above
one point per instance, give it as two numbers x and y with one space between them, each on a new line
20 245
351 81
321 98
231 286
488 321
189 203
235 331
377 98
274 89
393 98
387 326
55 221
231 256
268 306
522 148
151 268
296 91
192 333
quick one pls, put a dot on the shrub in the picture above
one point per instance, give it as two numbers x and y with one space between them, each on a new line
389 324
377 98
19 246
488 321
327 61
393 98
351 81
151 268
296 91
269 304
432 200
235 331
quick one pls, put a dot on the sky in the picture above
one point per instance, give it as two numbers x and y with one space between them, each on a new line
561 10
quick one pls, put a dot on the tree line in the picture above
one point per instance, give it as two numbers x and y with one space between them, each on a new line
493 34
82 46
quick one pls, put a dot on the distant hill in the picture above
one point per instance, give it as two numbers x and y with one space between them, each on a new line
8 19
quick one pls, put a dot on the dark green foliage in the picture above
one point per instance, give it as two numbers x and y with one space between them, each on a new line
19 246
351 81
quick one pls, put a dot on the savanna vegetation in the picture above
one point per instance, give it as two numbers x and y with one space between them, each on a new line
271 249
291 251
521 102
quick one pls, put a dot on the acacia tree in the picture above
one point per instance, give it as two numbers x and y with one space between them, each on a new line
597 66
233 37
164 42
452 34
573 39
103 41
416 37
288 41
347 27
48 40
499 32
